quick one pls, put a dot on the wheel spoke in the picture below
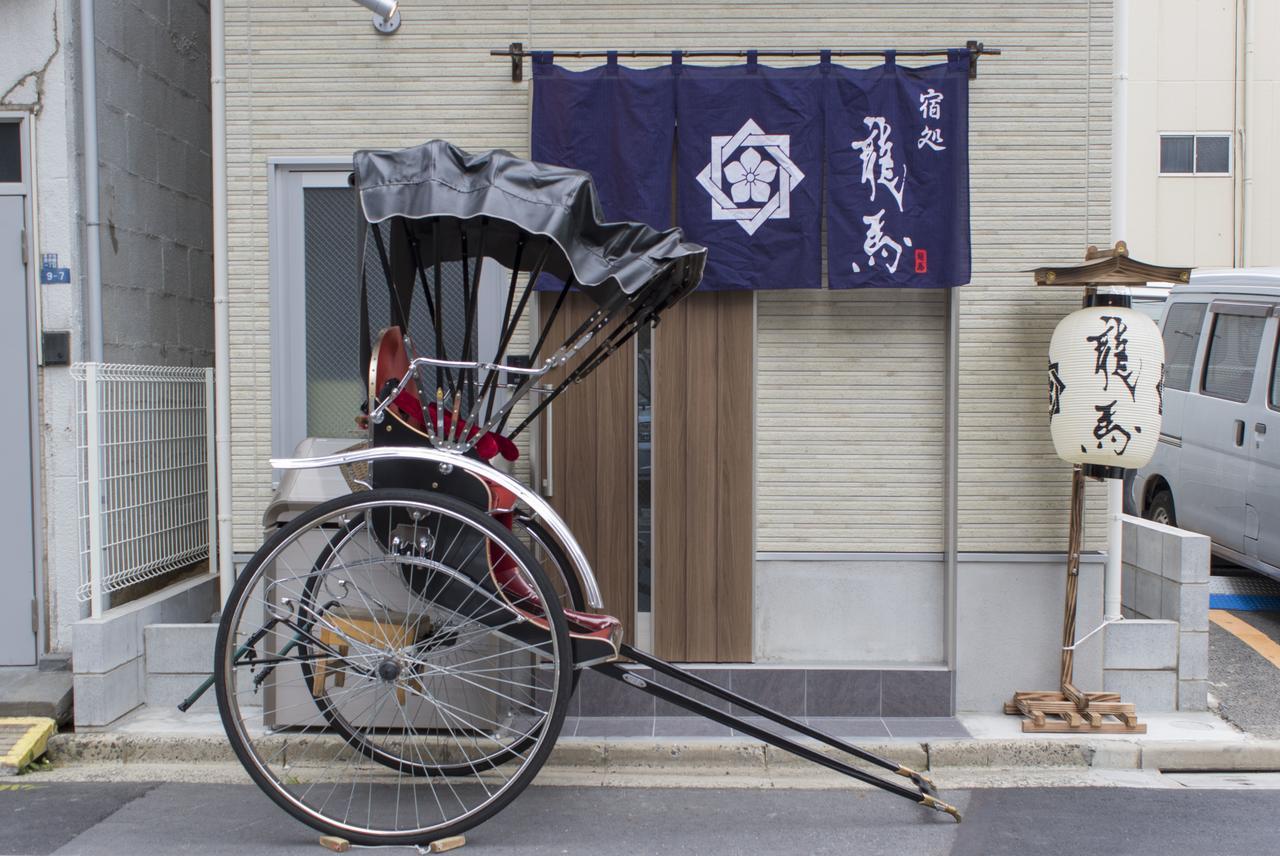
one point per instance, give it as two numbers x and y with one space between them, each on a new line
393 656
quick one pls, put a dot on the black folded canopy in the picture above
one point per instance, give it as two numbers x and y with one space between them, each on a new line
515 199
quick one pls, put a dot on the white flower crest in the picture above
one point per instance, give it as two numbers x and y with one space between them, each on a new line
750 177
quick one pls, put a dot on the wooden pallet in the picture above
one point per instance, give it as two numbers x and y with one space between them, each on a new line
1054 712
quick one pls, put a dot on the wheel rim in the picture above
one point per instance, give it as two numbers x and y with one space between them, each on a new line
447 695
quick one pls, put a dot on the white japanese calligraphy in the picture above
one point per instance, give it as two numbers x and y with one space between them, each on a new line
878 165
931 104
880 244
931 137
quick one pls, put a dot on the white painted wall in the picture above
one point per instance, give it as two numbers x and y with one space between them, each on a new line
37 69
849 609
1010 635
1186 62
160 282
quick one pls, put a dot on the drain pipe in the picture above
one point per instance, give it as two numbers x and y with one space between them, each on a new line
92 218
1250 89
221 313
1111 585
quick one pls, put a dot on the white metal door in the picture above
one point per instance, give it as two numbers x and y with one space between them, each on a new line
17 572
1215 440
1263 542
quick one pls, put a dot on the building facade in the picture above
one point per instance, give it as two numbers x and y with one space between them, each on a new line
151 74
1203 112
905 517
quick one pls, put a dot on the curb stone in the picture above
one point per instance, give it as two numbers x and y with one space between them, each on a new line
702 756
1254 756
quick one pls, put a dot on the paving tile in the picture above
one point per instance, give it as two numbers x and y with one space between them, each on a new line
688 726
603 696
850 726
720 677
777 689
916 692
766 724
615 726
925 726
842 692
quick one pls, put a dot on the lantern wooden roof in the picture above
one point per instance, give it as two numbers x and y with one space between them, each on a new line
1110 267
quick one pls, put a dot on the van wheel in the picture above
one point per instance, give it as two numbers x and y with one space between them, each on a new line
1160 509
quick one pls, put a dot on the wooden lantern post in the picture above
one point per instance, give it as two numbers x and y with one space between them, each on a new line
1068 708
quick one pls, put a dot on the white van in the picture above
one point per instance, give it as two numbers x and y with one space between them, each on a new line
1216 469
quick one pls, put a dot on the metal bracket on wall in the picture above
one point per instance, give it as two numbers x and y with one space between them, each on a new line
517 53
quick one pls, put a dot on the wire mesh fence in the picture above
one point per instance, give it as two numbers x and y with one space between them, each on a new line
145 473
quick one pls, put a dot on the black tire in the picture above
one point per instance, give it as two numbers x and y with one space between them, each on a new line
1160 509
572 588
568 583
284 788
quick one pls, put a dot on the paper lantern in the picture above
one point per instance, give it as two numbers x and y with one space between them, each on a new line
1106 387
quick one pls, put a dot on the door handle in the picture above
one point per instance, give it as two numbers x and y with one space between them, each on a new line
1260 427
1239 432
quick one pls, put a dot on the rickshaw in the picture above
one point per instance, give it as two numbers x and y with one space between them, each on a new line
393 666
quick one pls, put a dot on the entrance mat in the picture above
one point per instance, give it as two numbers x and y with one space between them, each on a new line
22 740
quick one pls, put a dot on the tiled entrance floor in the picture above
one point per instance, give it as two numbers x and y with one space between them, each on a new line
875 727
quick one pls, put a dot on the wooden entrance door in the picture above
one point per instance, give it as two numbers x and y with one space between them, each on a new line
703 479
592 444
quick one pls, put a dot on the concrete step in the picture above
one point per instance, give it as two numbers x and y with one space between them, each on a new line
179 649
30 692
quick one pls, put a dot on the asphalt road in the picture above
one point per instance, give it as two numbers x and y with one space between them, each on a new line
1246 684
119 818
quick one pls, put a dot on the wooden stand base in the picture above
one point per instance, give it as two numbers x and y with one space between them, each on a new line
440 845
1054 712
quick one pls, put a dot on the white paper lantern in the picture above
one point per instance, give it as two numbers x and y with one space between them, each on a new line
1106 376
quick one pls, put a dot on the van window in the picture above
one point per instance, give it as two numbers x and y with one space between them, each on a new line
1181 338
1275 378
1233 353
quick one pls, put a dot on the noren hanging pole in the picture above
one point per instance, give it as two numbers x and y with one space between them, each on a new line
517 52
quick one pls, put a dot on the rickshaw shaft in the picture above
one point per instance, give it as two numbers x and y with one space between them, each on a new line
706 686
923 793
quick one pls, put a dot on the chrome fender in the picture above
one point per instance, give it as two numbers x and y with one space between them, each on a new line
541 509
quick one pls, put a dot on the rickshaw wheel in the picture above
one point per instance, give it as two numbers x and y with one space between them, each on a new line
452 687
564 581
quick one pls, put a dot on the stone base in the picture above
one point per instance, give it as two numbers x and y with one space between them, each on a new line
31 692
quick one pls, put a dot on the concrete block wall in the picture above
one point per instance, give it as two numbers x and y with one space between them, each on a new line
109 663
1140 661
178 657
1166 591
154 148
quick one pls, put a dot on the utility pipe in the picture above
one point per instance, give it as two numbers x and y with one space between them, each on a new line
221 313
1111 585
951 481
93 245
1250 90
